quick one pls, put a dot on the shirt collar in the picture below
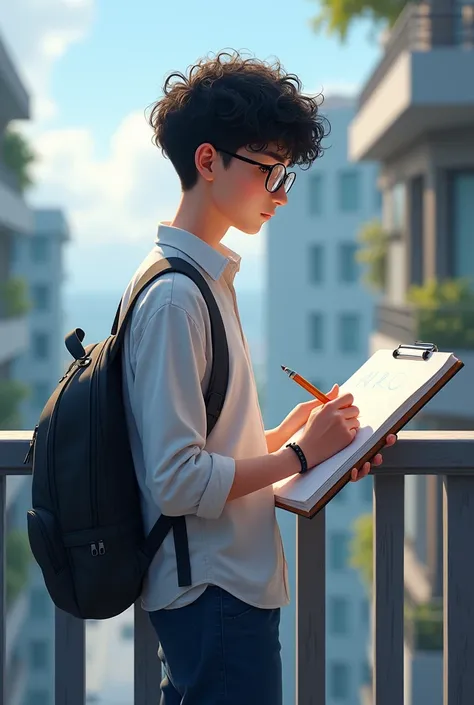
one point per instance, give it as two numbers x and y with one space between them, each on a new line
213 261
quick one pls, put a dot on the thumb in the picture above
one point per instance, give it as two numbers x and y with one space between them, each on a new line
334 393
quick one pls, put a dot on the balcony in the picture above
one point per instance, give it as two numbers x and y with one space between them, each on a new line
15 103
14 337
446 454
451 329
411 91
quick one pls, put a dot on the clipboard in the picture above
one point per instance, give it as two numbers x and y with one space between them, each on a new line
419 352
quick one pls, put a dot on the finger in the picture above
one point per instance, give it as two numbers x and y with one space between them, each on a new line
378 460
334 393
353 423
391 439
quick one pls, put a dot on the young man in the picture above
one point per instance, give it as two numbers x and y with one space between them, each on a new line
232 127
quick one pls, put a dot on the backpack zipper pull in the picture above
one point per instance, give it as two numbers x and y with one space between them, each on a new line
29 455
94 550
101 548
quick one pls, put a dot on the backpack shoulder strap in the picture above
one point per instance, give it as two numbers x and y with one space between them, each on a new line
219 377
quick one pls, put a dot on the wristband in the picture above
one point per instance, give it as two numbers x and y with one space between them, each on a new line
295 447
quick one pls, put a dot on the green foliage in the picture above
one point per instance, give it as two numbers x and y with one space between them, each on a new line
18 560
445 312
361 549
373 254
337 16
426 626
18 157
14 297
12 393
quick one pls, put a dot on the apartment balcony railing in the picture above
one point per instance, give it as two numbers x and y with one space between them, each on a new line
418 28
451 328
448 454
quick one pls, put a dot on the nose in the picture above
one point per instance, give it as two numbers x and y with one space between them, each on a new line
280 197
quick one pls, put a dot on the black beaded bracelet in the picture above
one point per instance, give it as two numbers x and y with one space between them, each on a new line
300 454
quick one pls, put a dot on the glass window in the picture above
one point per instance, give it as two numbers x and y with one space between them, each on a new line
316 194
349 188
339 680
349 332
398 207
348 265
462 229
316 264
339 615
316 332
40 345
338 550
39 248
40 293
39 655
39 603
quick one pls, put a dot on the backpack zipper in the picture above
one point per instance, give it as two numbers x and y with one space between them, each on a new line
93 460
29 455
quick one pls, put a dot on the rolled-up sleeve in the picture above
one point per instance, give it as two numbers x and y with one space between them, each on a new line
170 414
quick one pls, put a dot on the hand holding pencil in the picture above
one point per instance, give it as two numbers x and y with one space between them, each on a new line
337 427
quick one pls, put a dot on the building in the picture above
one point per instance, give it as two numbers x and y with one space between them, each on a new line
15 223
39 262
319 322
415 116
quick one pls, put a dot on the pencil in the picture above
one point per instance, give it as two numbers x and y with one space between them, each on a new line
306 385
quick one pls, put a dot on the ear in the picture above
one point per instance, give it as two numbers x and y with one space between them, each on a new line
205 158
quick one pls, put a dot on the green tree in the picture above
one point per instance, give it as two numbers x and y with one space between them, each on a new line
361 549
12 394
336 16
372 252
14 298
18 157
18 560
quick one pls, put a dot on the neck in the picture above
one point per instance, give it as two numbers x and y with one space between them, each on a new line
197 215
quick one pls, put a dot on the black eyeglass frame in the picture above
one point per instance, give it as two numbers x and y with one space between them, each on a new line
269 168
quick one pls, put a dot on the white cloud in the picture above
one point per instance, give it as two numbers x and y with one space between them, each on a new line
38 33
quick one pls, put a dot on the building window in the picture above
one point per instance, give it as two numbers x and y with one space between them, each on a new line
316 332
40 344
349 191
316 264
339 616
461 230
348 267
338 550
39 603
39 655
349 332
339 681
316 194
40 293
39 248
398 206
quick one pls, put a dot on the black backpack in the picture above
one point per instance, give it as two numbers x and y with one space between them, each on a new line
85 528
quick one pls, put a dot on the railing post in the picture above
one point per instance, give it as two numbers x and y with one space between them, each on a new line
458 590
311 610
3 563
147 665
70 672
389 529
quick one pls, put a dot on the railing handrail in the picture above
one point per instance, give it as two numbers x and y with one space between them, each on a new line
413 30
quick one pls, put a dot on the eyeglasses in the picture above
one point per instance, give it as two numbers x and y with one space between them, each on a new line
277 175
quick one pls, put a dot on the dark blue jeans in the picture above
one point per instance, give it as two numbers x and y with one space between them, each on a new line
219 651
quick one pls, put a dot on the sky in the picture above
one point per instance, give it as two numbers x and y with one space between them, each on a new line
92 67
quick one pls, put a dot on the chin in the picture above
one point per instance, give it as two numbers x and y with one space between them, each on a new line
250 229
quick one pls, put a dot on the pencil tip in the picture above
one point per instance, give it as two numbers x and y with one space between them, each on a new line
283 367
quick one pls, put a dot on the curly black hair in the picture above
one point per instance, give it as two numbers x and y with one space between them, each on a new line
235 102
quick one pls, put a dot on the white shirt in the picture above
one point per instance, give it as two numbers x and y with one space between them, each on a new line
167 360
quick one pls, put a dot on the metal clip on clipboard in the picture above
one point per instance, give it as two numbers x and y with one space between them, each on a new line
417 351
